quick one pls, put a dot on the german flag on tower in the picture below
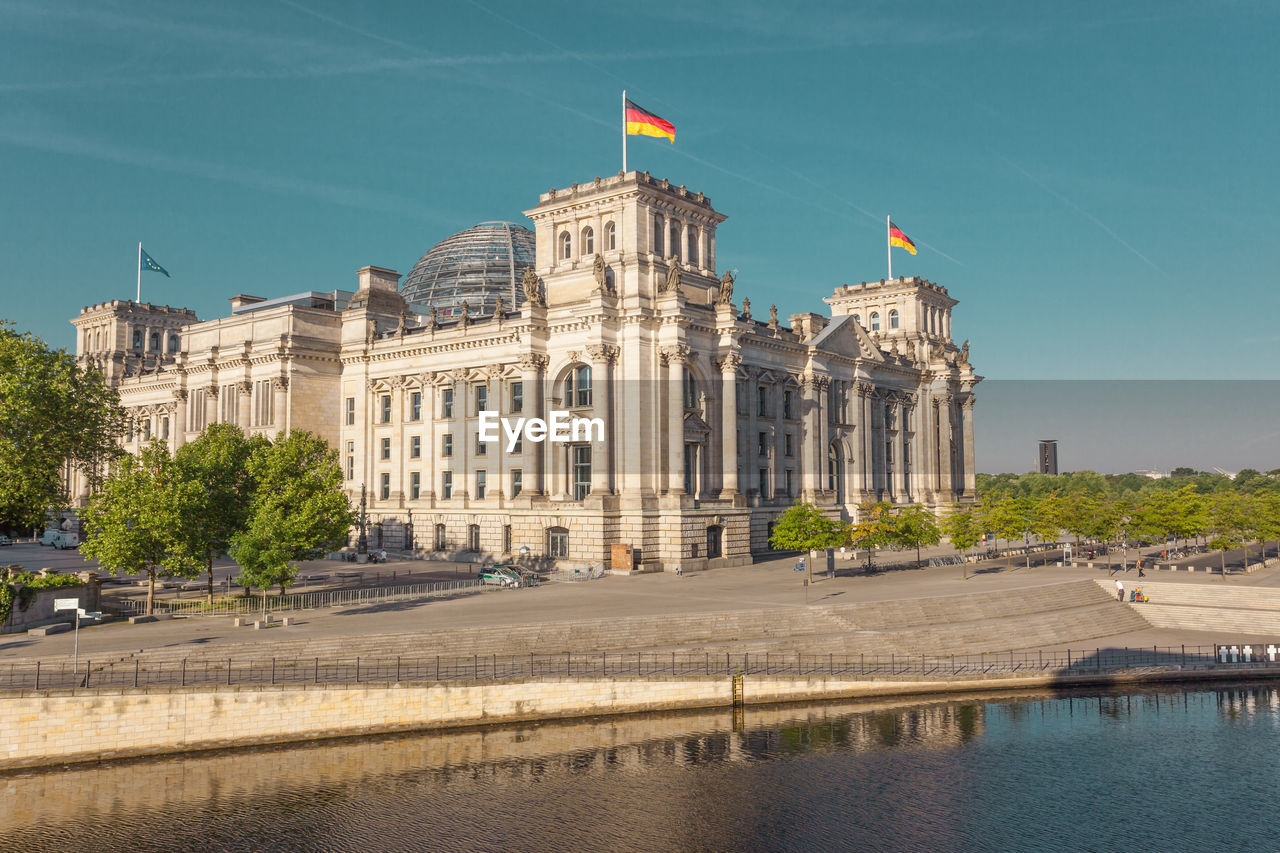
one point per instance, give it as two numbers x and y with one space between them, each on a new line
902 241
641 122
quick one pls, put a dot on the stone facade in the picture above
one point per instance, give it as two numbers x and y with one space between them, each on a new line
714 420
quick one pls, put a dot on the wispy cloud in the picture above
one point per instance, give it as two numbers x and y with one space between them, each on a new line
1086 214
26 134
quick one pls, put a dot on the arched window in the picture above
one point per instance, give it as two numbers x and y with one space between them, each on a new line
473 537
875 321
608 278
675 238
173 343
164 427
566 246
155 340
137 339
893 318
441 541
557 542
577 387
657 235
692 256
588 241
97 340
610 236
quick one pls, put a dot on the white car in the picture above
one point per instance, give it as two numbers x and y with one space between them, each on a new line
66 539
5 540
47 537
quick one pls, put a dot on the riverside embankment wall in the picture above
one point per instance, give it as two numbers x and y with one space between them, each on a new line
58 726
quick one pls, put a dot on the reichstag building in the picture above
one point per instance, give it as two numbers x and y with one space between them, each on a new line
717 414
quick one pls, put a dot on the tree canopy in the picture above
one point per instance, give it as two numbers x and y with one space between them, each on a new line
53 414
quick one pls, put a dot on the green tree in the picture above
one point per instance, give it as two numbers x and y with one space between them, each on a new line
134 523
803 527
218 461
873 529
1228 524
1006 519
52 414
964 530
914 526
298 511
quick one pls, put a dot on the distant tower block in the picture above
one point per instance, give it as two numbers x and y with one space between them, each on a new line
1047 459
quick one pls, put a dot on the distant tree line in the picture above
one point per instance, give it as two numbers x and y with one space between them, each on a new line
1221 512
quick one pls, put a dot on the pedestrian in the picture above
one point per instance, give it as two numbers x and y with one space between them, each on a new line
382 555
1141 573
1119 590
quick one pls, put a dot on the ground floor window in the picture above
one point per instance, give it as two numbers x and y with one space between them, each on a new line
385 487
441 541
715 541
557 542
581 471
506 539
473 537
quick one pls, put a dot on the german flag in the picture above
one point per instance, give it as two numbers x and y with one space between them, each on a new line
641 122
902 241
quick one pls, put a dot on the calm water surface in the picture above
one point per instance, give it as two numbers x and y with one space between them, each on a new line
1137 771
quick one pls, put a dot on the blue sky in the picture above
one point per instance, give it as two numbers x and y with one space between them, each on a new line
1096 182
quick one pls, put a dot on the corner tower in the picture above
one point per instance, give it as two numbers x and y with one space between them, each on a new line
636 225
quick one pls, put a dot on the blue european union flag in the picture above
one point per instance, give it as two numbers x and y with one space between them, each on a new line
149 264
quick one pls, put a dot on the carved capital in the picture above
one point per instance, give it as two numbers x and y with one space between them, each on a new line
729 362
244 387
968 402
532 361
280 383
675 355
212 391
864 389
180 395
942 400
396 382
603 353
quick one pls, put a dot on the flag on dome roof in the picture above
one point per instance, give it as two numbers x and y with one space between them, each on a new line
641 122
902 241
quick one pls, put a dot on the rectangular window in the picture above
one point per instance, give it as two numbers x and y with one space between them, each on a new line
415 447
482 398
762 402
351 467
786 445
482 447
415 406
386 408
446 485
415 485
385 491
790 489
517 481
351 411
506 539
658 227
351 447
146 430
762 444
764 483
164 427
786 404
581 471
446 444
517 397
482 478
446 403
518 447
386 448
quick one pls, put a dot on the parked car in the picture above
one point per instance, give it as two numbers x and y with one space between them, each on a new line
66 539
500 576
47 537
5 540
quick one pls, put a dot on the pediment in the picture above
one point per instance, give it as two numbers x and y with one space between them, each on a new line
845 336
694 424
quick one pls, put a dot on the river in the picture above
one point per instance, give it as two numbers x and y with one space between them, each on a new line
1137 770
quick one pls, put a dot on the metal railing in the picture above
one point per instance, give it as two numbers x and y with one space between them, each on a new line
139 672
249 606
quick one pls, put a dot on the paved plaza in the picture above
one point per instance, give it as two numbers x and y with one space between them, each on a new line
767 585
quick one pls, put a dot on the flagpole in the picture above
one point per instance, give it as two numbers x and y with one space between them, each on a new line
888 245
624 131
139 273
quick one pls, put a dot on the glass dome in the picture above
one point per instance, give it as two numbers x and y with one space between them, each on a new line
474 266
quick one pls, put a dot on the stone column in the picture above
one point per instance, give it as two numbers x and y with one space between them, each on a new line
244 392
945 466
861 485
750 453
824 433
809 410
675 358
211 405
532 454
399 490
602 455
729 486
280 402
906 476
970 480
179 418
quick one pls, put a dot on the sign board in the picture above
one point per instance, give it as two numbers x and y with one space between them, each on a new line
66 604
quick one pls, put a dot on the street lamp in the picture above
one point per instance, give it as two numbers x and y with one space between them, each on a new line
362 543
